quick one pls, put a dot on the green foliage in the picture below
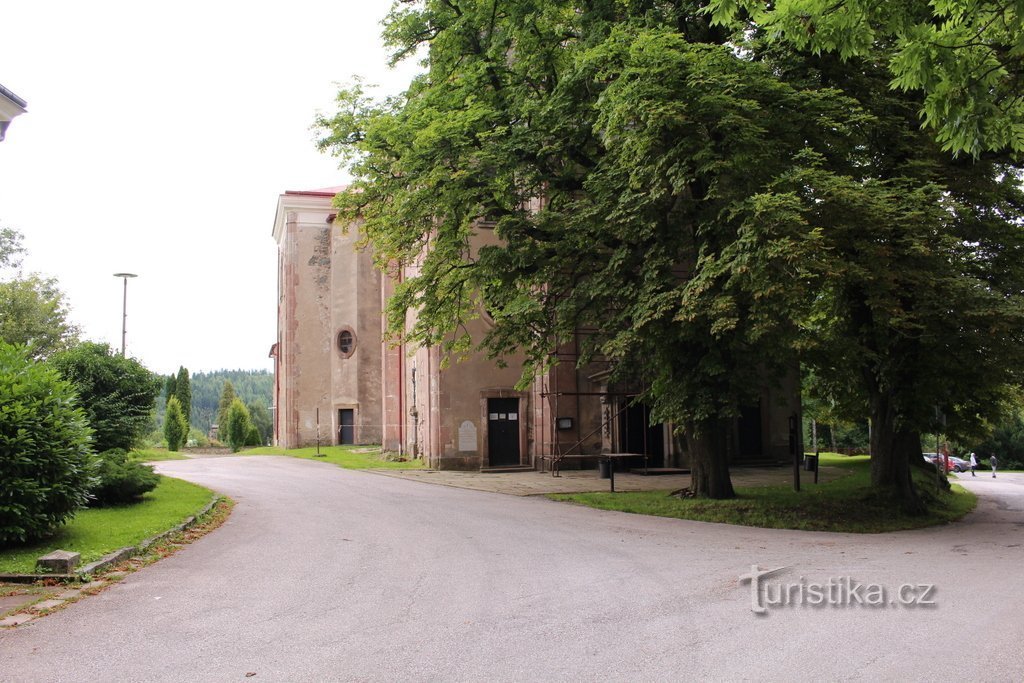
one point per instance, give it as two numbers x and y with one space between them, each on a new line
254 387
227 397
46 464
237 425
627 165
708 205
183 390
1006 443
261 420
117 393
121 479
11 248
964 56
34 312
175 425
253 438
198 437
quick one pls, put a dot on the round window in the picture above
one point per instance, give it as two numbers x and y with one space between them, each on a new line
346 342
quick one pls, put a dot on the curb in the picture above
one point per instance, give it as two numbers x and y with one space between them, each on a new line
113 558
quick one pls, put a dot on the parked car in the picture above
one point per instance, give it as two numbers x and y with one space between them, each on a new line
935 459
959 464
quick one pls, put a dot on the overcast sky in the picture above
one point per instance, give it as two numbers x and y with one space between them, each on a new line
157 140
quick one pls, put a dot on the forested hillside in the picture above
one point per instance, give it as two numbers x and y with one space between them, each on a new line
254 387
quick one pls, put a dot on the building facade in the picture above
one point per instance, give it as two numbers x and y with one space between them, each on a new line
10 106
337 379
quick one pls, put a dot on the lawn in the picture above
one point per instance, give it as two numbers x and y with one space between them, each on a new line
845 504
95 532
349 457
154 454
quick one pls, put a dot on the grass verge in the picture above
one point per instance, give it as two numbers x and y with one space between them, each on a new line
95 532
847 504
349 457
154 454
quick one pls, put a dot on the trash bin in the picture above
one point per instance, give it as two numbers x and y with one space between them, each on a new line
810 463
604 468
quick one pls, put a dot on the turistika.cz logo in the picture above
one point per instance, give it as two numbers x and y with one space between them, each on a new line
843 591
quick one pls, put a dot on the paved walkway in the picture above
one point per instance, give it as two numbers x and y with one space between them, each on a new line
328 574
585 481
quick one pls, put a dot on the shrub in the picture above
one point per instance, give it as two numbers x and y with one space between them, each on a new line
175 425
117 393
46 462
253 438
121 480
238 424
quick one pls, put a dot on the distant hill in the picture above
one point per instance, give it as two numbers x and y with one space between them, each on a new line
254 387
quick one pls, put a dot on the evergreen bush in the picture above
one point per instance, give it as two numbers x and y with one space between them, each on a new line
238 425
46 461
121 480
175 425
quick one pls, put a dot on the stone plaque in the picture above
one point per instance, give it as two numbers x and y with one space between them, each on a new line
467 436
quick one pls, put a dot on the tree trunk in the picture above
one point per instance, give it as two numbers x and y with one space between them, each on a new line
892 448
709 459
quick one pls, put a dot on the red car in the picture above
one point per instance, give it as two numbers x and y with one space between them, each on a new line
934 459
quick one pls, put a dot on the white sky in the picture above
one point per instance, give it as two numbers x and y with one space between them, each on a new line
157 140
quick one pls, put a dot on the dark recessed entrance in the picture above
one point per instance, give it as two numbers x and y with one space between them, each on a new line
346 426
749 432
639 436
503 431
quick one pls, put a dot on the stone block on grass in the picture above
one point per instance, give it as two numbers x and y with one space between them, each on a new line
58 562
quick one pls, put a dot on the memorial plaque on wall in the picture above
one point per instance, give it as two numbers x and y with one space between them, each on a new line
467 436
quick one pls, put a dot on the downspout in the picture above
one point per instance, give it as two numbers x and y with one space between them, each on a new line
401 390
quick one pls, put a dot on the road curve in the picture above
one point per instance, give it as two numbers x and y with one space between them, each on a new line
327 574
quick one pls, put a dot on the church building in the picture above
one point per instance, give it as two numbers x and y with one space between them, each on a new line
338 381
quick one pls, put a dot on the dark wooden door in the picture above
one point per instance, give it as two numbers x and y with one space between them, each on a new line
503 431
346 426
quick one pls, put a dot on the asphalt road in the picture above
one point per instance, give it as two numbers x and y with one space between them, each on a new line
325 574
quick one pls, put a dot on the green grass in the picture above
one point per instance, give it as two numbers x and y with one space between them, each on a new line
154 454
95 532
349 457
846 504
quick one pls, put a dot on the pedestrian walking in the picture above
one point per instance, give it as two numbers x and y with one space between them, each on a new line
974 463
992 461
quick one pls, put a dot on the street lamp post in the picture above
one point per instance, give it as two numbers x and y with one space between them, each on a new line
124 308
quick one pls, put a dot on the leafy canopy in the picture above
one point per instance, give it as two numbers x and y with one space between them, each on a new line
964 56
46 462
118 394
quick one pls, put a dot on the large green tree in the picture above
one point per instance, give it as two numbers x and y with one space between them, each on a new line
963 56
703 203
620 151
34 313
917 313
117 393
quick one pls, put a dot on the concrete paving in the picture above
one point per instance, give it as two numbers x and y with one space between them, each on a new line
326 574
